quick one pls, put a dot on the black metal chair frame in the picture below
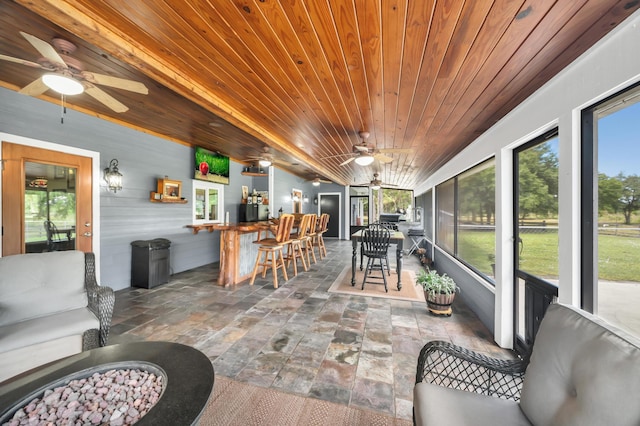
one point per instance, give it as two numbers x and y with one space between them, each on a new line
445 364
375 245
54 241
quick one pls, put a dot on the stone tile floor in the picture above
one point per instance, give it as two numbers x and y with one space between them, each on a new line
353 350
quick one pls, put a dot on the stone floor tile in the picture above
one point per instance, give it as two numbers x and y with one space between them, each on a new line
373 395
330 392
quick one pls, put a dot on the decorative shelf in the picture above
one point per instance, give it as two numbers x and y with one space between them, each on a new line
254 174
155 198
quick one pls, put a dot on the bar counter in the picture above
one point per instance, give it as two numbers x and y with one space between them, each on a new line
237 251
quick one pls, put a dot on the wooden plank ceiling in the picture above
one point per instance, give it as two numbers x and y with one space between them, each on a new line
303 77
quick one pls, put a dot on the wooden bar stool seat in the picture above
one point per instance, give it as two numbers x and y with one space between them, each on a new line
270 251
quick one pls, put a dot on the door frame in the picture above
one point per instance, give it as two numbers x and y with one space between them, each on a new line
320 195
95 175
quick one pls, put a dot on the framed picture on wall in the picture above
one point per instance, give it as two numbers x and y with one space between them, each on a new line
296 200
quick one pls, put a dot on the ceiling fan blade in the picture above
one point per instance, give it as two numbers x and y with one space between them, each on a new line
35 88
20 61
108 100
119 83
45 49
396 150
382 158
362 148
344 163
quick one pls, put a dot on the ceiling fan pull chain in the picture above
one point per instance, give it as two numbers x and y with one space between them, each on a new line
64 109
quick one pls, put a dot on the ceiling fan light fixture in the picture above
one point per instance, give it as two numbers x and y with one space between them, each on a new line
364 160
264 163
375 187
63 84
316 182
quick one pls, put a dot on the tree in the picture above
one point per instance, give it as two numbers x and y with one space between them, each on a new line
538 181
630 198
609 192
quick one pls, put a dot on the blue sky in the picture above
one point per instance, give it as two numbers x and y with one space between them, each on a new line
619 142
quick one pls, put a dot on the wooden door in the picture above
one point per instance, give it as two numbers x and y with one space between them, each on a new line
58 169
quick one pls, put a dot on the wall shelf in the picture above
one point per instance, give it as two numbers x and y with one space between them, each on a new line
254 174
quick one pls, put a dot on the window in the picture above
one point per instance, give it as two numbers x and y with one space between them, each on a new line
465 217
445 228
475 219
611 210
208 202
428 215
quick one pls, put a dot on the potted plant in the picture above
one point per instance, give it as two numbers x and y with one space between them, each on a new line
439 291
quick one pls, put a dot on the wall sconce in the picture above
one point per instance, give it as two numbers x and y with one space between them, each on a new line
294 197
305 198
113 176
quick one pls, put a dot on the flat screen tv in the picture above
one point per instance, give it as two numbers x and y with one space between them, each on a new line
211 166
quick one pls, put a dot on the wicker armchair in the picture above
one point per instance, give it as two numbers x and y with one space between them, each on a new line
101 302
581 371
445 364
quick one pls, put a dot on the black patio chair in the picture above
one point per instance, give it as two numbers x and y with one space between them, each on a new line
375 245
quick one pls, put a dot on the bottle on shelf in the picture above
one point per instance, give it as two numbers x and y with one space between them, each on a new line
259 198
254 196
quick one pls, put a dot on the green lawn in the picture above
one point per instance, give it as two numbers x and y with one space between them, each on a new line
618 255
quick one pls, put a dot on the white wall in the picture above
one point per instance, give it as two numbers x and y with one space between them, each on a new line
609 66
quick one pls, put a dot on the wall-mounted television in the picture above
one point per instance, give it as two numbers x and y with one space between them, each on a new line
211 166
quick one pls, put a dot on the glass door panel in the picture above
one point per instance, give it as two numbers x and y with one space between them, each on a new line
618 224
536 233
49 207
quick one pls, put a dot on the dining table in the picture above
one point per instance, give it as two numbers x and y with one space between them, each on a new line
397 238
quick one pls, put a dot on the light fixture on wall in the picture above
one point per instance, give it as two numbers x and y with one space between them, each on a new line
63 84
364 159
113 176
305 198
264 162
294 197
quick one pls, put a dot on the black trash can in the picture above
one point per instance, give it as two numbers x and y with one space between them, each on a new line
150 262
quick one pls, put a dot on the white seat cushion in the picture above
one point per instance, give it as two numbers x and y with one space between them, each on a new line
42 329
439 405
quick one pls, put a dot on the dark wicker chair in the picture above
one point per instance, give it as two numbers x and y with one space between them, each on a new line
101 301
452 366
375 245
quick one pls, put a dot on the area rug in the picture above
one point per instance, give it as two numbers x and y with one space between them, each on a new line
236 403
409 291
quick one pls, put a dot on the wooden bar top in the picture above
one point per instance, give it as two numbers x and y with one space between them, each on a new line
240 226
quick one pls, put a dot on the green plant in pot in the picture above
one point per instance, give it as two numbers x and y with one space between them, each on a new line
439 291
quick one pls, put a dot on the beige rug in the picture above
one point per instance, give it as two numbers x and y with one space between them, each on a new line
409 291
236 403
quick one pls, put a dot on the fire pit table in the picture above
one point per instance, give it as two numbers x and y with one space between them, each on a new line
188 373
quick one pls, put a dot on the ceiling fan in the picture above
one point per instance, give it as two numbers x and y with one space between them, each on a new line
266 158
67 76
376 183
366 154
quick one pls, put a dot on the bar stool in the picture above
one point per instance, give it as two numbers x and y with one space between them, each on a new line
273 247
321 229
295 244
312 233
